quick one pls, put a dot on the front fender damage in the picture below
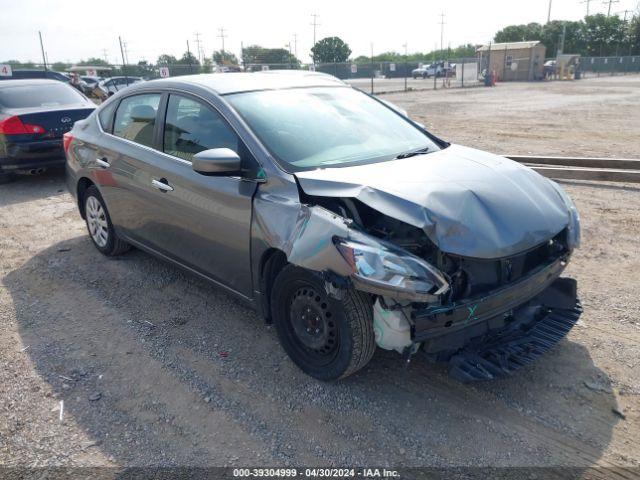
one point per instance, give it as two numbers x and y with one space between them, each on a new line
306 241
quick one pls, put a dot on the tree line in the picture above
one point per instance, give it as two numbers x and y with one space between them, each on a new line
595 35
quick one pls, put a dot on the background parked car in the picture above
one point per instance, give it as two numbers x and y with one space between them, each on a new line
109 86
34 115
439 69
33 74
427 71
88 84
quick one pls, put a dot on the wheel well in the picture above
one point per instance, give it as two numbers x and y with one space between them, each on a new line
83 184
271 264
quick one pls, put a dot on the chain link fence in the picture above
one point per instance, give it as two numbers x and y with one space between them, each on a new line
597 66
388 77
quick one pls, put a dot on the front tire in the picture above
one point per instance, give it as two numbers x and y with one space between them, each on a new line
326 338
99 225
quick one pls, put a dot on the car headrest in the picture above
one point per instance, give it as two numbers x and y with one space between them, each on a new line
143 113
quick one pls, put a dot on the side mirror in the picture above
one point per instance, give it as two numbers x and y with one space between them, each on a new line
216 161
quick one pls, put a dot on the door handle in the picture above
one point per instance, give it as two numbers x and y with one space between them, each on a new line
162 185
102 163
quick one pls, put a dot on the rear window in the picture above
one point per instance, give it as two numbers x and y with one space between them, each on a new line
31 96
136 117
105 115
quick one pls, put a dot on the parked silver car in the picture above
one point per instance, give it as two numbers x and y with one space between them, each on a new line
426 71
112 85
338 218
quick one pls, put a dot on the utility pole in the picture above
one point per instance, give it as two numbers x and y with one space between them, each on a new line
288 45
372 68
222 36
295 45
549 12
561 43
406 58
588 2
189 57
199 46
104 55
625 15
126 52
441 33
44 57
609 2
315 24
123 62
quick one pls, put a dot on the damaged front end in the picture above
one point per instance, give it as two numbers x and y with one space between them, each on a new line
484 315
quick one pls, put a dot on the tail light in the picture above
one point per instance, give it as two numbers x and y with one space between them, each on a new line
66 141
14 126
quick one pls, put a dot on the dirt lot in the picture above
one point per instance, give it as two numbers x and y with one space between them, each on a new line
158 368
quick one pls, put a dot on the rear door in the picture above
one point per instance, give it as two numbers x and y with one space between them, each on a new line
122 163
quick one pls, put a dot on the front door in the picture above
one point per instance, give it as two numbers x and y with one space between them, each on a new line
202 221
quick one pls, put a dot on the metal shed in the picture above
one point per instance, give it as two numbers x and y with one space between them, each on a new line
513 60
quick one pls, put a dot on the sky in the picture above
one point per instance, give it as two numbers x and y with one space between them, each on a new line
74 30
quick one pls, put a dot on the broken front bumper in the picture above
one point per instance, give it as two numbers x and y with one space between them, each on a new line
508 328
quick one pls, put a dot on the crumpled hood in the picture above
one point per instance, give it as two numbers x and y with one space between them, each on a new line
468 202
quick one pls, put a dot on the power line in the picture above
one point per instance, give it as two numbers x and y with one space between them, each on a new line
222 36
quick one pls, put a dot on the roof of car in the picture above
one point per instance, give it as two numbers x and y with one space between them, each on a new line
28 81
235 82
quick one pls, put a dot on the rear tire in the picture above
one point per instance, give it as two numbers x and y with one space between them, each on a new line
326 338
99 225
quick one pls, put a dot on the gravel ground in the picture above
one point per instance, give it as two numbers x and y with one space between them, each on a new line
157 368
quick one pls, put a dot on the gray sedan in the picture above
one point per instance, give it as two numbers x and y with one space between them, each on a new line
338 218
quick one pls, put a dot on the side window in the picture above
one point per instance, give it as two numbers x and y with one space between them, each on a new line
191 127
105 116
136 117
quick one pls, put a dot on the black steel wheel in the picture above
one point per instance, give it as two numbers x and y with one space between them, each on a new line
326 337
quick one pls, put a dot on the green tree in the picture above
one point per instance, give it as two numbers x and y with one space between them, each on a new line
603 35
142 69
222 57
279 57
330 50
60 66
633 36
166 60
94 61
207 66
15 64
595 35
519 33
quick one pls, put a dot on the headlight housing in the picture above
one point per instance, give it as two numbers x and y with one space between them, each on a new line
389 271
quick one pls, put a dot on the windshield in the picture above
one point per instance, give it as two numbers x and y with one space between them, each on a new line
311 128
29 96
